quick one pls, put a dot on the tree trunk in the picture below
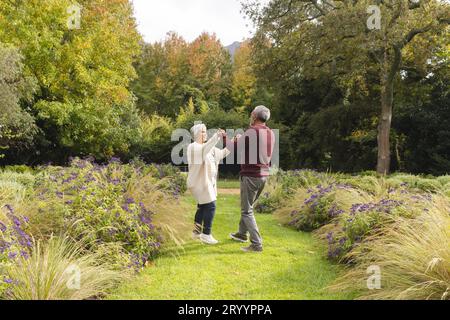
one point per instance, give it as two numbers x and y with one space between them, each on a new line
384 129
388 73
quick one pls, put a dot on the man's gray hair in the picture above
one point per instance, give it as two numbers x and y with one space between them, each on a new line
262 113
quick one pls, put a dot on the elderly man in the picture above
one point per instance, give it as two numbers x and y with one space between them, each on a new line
256 147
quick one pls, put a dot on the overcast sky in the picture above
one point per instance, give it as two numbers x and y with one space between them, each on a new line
190 18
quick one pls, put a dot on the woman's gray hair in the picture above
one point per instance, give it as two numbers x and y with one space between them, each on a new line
262 113
196 130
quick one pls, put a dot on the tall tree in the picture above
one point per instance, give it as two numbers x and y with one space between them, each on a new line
83 63
174 71
210 65
244 78
17 127
162 70
350 41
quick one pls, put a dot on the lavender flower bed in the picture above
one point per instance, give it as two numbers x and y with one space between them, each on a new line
345 215
99 206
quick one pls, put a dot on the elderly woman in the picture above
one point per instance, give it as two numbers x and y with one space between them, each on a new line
203 159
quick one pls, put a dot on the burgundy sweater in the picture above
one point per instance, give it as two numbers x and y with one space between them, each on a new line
258 142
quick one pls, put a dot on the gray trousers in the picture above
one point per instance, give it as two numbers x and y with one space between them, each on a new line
251 189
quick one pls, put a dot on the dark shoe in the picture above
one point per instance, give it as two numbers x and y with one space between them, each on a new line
238 237
252 248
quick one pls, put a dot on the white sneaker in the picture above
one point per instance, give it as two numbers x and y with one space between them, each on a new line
195 235
208 239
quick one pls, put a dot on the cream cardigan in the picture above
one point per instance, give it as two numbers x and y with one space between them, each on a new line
203 160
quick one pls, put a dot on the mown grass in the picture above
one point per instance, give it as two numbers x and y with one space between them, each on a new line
292 267
228 184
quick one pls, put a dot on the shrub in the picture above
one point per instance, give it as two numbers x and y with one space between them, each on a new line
420 183
283 185
60 270
26 179
106 204
317 210
444 180
413 255
363 220
371 184
15 240
11 191
19 169
155 142
344 215
90 127
173 180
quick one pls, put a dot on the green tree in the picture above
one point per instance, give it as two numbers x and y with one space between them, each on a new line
81 73
244 78
163 77
173 71
17 127
314 39
210 66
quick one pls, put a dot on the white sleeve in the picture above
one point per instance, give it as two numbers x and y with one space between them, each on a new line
197 152
221 154
210 144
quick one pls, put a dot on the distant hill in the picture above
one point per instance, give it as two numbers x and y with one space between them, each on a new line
233 47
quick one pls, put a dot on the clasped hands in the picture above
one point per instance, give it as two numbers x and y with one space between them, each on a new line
222 133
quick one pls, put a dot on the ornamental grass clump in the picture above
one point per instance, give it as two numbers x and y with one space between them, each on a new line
59 269
413 256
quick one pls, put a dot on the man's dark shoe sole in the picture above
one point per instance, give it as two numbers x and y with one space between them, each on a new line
252 249
237 238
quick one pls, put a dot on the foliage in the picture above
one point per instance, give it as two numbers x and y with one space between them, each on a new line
59 270
303 48
106 204
82 75
345 210
17 127
173 71
283 186
91 128
155 143
413 257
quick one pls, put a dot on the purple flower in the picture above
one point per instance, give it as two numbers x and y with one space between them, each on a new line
115 160
12 255
330 237
24 254
10 208
2 227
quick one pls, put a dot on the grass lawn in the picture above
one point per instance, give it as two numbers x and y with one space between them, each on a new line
228 184
291 267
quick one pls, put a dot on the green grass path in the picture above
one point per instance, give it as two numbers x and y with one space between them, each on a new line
291 267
